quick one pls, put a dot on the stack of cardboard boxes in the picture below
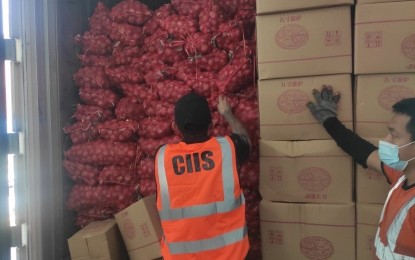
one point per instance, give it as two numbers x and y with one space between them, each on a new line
306 183
313 207
134 234
384 66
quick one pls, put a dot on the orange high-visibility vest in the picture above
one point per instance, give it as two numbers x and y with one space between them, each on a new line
395 237
200 201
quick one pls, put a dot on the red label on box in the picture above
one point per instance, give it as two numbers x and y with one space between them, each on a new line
316 248
390 95
314 179
373 39
292 101
275 174
276 237
291 36
333 38
408 47
129 228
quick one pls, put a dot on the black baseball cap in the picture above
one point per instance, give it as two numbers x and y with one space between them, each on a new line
192 114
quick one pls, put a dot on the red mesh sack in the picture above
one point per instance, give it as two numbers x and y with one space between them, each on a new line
152 24
158 108
139 91
117 130
203 83
102 196
179 25
213 61
97 44
98 22
82 173
154 127
211 16
130 11
129 108
103 153
123 55
90 60
149 146
147 187
190 8
127 34
118 175
198 44
104 98
92 113
81 132
171 90
228 35
123 74
91 77
145 168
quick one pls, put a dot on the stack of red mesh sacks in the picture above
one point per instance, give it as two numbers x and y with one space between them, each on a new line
135 64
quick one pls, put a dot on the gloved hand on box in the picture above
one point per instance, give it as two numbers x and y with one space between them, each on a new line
326 103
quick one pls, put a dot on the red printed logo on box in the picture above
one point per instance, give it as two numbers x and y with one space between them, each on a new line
316 248
129 228
390 95
374 175
145 230
373 39
333 38
292 101
276 237
275 174
408 47
291 36
314 179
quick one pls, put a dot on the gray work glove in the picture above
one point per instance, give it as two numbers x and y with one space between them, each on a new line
326 104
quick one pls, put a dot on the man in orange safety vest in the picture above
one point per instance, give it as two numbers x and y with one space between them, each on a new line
199 197
395 237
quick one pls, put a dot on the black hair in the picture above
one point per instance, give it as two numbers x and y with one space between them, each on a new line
192 114
407 107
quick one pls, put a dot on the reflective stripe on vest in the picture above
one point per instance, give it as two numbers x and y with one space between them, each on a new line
386 252
207 244
229 203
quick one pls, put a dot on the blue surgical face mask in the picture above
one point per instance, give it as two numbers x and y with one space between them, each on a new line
389 155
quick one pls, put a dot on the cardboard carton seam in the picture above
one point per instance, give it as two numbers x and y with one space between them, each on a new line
367 224
305 223
385 21
143 246
372 122
343 121
312 58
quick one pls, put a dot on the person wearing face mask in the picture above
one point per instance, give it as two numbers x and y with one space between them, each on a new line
395 237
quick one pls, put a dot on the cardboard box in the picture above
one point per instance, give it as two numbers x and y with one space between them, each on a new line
304 43
141 229
360 2
294 231
283 114
272 6
367 222
98 240
375 96
385 38
305 171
